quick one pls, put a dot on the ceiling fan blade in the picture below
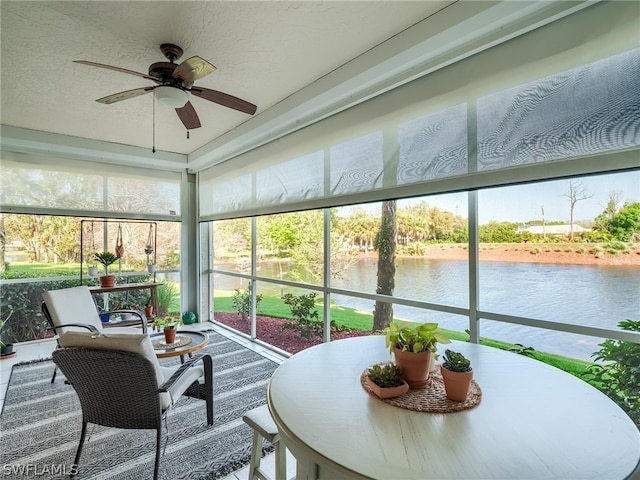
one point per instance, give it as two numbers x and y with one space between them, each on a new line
188 116
193 69
118 97
117 69
224 99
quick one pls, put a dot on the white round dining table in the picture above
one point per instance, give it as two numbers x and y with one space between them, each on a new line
534 421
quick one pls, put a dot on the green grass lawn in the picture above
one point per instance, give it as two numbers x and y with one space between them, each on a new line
360 320
46 269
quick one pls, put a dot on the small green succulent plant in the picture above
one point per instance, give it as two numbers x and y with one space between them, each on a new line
455 362
387 375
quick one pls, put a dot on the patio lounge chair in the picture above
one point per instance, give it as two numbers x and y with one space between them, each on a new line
120 383
73 308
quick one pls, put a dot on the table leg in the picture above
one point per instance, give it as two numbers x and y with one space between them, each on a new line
154 300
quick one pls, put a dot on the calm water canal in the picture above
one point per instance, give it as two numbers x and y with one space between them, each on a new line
578 294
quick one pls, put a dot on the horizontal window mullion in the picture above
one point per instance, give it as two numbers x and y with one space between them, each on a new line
25 210
563 327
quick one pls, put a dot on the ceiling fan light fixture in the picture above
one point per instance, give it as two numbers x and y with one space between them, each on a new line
171 96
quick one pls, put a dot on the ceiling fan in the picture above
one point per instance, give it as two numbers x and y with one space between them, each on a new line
173 82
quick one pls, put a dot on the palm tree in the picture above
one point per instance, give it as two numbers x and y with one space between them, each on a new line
386 246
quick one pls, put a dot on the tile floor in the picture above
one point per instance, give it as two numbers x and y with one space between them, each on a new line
41 349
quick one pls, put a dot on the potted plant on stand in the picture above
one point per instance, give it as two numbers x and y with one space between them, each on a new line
385 381
414 348
148 308
106 259
170 327
457 375
92 270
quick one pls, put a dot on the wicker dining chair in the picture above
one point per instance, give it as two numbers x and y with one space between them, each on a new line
120 383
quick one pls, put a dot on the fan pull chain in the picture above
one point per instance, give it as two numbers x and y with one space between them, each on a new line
187 134
153 99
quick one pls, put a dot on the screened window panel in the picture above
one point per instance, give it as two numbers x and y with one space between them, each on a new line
433 146
142 195
24 186
586 110
232 195
299 179
357 165
466 126
35 181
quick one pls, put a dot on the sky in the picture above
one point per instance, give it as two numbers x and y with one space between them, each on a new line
525 202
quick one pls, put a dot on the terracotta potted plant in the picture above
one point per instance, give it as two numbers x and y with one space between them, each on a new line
170 327
106 259
385 381
414 347
148 308
457 375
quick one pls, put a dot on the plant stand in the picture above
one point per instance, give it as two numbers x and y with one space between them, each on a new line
149 252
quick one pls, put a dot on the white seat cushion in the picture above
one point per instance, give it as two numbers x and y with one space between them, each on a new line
139 343
72 305
193 374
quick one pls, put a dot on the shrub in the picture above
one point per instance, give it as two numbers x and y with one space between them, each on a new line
414 248
615 247
598 236
168 299
242 302
23 300
620 378
306 320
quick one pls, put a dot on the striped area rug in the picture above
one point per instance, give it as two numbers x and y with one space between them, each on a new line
40 425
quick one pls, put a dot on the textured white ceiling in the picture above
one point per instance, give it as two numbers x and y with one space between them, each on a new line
264 51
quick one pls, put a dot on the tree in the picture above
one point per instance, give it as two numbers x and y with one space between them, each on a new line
279 233
232 236
625 225
498 232
385 244
360 228
601 222
441 223
576 191
413 223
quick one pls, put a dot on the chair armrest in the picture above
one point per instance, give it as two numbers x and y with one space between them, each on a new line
53 327
142 316
91 328
208 366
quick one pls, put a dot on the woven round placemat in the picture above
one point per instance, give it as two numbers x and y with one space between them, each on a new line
160 344
432 399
